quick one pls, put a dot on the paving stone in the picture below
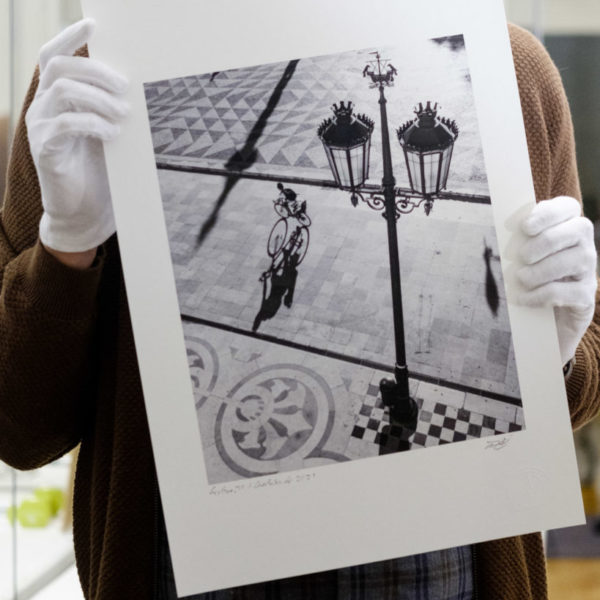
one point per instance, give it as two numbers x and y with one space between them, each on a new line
485 406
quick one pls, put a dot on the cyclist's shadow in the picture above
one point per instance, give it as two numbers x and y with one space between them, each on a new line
287 246
279 283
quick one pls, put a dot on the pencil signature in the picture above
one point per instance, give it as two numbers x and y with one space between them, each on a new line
497 444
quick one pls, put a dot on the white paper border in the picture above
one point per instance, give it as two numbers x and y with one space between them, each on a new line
365 510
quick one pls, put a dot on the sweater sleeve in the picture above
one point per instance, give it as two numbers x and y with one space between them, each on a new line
551 146
47 317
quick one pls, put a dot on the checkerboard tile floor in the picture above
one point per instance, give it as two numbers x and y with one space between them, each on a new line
437 424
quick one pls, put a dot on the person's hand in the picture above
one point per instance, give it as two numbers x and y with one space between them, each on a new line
559 259
77 106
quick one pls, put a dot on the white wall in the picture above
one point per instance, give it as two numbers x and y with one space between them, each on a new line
35 22
556 16
573 16
4 58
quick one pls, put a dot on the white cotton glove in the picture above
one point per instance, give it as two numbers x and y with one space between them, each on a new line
77 106
559 269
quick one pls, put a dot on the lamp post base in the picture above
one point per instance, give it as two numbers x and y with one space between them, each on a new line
403 408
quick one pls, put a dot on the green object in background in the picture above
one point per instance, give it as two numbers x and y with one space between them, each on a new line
39 510
54 496
34 513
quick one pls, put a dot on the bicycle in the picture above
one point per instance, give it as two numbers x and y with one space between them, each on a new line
296 244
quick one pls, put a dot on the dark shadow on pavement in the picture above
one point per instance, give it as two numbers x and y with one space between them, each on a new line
246 157
491 287
396 438
281 279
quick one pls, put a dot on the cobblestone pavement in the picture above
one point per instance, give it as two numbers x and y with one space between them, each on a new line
265 409
340 294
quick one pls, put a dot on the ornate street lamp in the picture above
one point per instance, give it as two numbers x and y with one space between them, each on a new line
347 142
427 142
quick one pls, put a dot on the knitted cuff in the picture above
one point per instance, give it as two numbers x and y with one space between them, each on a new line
36 279
575 381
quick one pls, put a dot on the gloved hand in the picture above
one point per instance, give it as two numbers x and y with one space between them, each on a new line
559 269
77 106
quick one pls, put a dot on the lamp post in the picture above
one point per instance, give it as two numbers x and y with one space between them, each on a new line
427 142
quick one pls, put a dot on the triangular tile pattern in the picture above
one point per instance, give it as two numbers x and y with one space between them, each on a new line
207 118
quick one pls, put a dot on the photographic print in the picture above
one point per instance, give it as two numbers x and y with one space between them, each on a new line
314 204
335 256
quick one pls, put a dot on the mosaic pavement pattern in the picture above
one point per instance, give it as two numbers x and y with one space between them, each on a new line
341 292
265 409
265 118
264 406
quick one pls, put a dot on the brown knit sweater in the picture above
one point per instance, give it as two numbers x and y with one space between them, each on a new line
68 370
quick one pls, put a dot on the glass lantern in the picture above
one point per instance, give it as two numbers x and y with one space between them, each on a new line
428 142
347 142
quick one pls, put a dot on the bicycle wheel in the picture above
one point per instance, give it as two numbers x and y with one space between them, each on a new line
277 238
303 219
301 244
281 209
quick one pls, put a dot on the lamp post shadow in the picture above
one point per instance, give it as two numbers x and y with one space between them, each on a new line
491 287
396 438
244 158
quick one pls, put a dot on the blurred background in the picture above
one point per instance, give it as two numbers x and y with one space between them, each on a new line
36 557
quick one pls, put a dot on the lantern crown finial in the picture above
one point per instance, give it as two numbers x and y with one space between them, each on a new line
426 115
345 126
428 130
343 112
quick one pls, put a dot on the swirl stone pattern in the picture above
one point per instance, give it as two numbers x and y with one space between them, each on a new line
265 409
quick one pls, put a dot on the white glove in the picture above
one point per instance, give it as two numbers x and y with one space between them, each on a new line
76 107
560 268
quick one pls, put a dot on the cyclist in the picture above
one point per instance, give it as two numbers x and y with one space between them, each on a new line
288 198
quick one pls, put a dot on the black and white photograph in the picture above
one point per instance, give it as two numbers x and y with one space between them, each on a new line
315 205
335 255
